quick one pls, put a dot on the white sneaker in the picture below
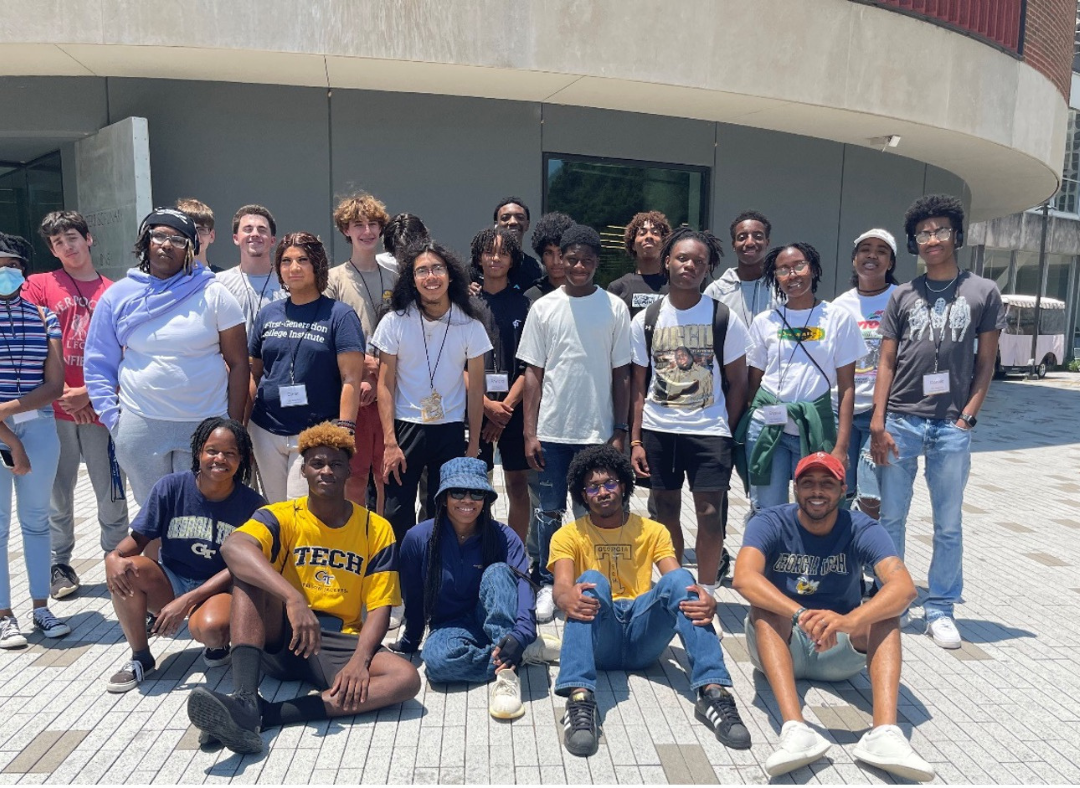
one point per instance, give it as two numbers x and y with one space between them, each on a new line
10 634
944 632
544 649
799 745
545 604
886 748
505 702
397 613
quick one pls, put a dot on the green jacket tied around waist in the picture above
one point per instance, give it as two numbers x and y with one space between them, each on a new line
817 432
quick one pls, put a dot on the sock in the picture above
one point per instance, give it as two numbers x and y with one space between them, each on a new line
145 657
709 589
246 662
306 708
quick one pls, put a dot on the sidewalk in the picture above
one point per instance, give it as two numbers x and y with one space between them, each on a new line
1003 709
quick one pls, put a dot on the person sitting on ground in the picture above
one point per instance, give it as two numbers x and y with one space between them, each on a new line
615 619
191 512
303 571
463 574
800 570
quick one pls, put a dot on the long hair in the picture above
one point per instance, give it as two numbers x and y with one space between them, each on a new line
487 240
142 251
812 257
406 294
490 550
243 444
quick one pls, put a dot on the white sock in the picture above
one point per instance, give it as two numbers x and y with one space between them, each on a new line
711 589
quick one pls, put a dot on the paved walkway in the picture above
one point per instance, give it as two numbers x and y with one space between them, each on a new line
1003 709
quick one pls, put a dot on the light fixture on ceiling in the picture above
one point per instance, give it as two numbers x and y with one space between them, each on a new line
885 141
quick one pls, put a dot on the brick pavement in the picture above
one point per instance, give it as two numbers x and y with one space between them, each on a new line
1003 709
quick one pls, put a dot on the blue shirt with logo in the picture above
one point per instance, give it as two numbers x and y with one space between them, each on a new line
192 527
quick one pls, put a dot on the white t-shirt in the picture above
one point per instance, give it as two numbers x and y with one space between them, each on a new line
577 342
253 291
430 354
830 336
867 311
685 394
172 368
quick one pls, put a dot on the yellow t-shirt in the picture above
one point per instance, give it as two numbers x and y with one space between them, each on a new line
624 555
338 570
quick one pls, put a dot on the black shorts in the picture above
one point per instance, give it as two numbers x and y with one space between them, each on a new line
703 459
321 669
511 445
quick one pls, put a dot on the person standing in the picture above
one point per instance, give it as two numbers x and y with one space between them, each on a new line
743 287
203 217
643 239
253 282
545 242
513 214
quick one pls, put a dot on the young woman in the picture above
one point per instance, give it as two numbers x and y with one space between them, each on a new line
463 576
166 349
430 336
873 260
31 377
191 512
798 351
307 362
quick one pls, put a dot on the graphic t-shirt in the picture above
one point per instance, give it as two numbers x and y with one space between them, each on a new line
818 572
637 291
868 312
73 304
624 555
800 350
685 393
338 570
252 291
299 345
577 342
921 321
24 346
191 526
365 291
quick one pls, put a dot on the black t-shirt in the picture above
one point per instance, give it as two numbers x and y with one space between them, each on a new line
508 310
521 277
540 287
639 290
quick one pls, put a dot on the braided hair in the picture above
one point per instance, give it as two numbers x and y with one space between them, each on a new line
687 233
142 251
243 444
812 257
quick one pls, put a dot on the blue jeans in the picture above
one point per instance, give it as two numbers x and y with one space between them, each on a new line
948 460
631 634
785 458
553 489
461 650
863 477
32 493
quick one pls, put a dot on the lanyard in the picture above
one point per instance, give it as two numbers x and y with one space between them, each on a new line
21 361
382 288
427 356
798 344
932 317
251 287
75 284
300 341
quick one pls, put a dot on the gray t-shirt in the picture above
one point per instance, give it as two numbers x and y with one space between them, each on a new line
944 325
253 291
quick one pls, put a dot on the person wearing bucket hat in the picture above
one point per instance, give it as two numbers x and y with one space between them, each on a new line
463 576
166 349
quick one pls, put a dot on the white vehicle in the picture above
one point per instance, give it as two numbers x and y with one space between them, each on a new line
1014 348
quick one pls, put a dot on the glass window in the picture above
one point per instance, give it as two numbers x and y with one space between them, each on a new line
1068 196
27 193
996 267
606 193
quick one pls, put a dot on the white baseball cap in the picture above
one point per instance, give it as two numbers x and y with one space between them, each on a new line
883 235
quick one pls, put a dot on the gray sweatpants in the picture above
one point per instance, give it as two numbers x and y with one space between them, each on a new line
148 449
87 443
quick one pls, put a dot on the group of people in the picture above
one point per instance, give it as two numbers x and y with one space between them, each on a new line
278 421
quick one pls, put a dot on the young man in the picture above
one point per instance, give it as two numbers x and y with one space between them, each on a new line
743 287
545 242
513 214
643 239
615 618
303 572
800 568
72 293
931 384
683 418
253 282
203 217
576 343
365 282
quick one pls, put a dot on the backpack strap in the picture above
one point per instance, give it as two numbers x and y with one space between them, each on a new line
721 316
652 315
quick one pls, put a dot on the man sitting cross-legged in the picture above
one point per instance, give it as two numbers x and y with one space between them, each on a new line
800 569
302 570
615 619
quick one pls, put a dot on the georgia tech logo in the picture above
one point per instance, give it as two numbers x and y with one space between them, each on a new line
204 550
324 577
804 585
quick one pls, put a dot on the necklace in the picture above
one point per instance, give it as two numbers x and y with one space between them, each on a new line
879 291
946 287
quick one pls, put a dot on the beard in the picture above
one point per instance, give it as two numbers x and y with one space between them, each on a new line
830 508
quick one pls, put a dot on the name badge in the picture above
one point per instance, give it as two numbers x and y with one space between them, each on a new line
774 415
291 396
497 382
431 408
26 415
935 383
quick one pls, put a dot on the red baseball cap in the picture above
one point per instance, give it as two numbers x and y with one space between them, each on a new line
823 461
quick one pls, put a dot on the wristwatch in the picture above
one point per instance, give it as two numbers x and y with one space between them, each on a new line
968 419
795 617
622 426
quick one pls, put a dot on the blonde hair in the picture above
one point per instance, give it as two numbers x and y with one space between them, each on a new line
326 434
360 206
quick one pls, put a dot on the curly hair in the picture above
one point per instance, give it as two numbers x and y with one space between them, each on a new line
812 257
402 230
360 206
326 434
931 206
604 457
655 218
751 216
548 231
207 427
315 251
405 293
685 233
486 240
142 250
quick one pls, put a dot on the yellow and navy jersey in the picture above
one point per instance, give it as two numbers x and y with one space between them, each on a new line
338 570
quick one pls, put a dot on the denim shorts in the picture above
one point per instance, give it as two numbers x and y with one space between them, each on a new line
180 585
840 662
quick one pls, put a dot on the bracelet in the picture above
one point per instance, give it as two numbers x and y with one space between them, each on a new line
795 617
636 443
346 423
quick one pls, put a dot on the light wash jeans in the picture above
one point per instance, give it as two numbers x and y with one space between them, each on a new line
553 489
948 459
863 477
785 458
32 493
631 634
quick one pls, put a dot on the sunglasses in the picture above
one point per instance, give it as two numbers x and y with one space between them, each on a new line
474 495
592 490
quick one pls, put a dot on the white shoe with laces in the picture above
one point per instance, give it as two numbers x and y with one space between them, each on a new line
544 649
944 632
505 701
545 604
799 745
886 748
10 634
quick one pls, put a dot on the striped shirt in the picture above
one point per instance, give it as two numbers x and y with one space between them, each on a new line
23 347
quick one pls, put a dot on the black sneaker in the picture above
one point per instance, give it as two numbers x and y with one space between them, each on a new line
216 657
581 724
234 720
151 620
716 708
725 565
64 582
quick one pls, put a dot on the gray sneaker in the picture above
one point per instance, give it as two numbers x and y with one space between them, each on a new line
10 634
128 677
63 581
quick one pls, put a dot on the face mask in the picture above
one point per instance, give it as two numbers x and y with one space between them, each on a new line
11 279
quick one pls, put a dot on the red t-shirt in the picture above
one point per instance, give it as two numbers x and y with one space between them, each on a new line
73 303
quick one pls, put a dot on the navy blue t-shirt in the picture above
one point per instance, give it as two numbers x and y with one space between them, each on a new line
818 572
192 527
300 345
508 310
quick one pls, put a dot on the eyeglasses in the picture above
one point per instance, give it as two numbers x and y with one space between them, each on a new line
611 485
426 271
162 238
800 267
941 233
474 495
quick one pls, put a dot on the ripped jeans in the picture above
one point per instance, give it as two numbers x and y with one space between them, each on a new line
553 488
863 477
